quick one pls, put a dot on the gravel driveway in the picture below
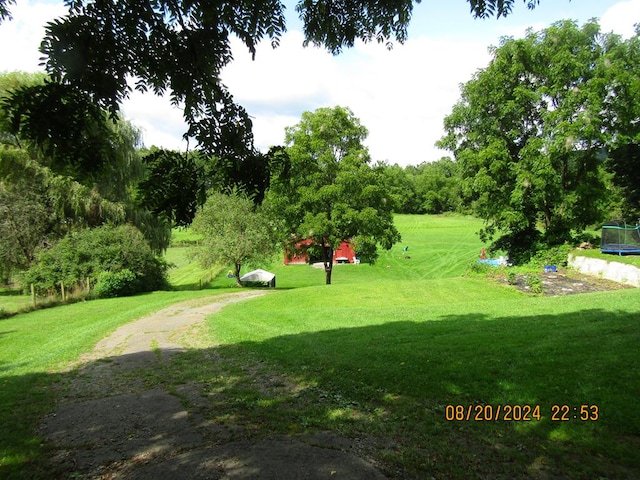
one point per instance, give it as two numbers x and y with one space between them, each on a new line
108 425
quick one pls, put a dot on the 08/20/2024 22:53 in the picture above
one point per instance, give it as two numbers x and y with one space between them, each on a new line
521 413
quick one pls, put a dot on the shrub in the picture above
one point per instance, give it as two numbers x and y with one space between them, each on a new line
535 284
479 268
520 245
588 237
556 255
116 284
89 253
512 278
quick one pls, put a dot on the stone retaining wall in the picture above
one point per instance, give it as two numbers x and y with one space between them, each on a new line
618 272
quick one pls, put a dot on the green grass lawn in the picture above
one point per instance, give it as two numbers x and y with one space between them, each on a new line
35 349
182 236
596 253
389 365
185 274
13 301
436 247
385 355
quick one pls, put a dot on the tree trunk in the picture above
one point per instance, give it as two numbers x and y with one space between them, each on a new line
328 262
237 270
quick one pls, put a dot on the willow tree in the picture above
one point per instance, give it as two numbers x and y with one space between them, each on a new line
84 164
38 206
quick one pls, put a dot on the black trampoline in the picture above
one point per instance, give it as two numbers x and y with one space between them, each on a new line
620 239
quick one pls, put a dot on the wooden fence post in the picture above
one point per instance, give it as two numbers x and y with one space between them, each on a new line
62 290
33 295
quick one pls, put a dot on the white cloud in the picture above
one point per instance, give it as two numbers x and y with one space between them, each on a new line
401 95
20 38
280 78
279 84
160 122
621 18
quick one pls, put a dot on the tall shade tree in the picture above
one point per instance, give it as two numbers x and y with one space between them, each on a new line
176 183
235 232
621 108
528 135
181 47
252 176
329 192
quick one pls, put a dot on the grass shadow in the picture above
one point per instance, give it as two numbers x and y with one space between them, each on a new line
405 380
388 388
24 400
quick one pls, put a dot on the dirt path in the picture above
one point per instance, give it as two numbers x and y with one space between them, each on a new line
110 425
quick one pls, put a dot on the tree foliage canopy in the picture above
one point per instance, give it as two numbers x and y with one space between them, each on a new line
23 224
66 162
531 130
38 206
330 193
70 132
621 108
92 159
173 187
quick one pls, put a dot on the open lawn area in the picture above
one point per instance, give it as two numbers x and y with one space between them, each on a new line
426 371
420 373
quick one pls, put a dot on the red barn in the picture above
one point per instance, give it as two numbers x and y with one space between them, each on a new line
343 254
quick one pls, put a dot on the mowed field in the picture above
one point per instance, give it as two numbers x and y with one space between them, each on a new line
432 247
427 372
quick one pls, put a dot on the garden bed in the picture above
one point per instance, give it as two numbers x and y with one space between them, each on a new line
561 283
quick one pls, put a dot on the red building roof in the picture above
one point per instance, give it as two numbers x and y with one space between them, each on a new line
343 254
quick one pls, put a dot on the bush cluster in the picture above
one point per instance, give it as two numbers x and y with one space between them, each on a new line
115 260
479 268
556 255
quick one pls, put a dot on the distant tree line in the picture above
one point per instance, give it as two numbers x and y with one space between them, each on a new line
430 187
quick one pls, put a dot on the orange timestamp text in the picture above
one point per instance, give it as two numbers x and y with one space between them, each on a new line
520 413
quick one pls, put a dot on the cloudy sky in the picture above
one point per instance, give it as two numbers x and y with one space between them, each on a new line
401 95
